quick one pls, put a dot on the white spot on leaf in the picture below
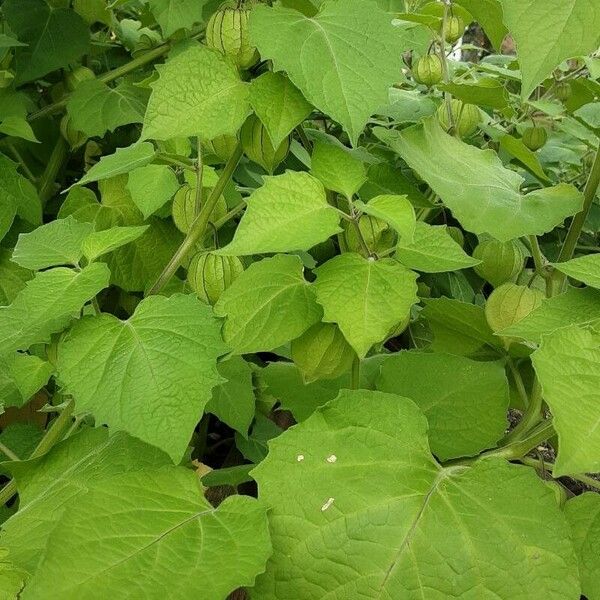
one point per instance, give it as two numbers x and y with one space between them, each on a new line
332 458
300 457
327 504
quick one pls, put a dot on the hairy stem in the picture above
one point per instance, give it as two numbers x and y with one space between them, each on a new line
198 227
55 162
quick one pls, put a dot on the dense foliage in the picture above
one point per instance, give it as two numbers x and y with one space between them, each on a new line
300 299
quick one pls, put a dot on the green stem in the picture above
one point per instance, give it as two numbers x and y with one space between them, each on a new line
304 138
198 227
538 257
6 450
582 478
107 77
199 173
531 417
55 162
520 448
26 170
516 374
570 243
356 373
54 434
176 161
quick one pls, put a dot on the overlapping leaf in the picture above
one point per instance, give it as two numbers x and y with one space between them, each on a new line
343 60
151 375
482 194
288 212
198 93
568 366
366 512
365 297
268 305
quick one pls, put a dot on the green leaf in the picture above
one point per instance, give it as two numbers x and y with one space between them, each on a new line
47 305
574 307
396 211
55 243
482 194
25 374
367 512
173 15
151 375
568 361
384 179
365 297
12 277
324 56
459 328
21 438
233 401
433 250
465 403
102 242
17 196
284 381
94 108
583 514
585 269
198 93
54 37
288 212
151 187
488 13
255 447
140 262
337 169
269 304
278 104
485 92
164 521
122 161
516 148
547 32
18 127
49 485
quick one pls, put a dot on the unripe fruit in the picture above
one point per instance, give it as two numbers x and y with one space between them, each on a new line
75 138
227 31
535 137
377 234
210 274
184 207
563 91
223 146
510 303
455 28
428 70
77 76
322 352
466 117
500 261
258 147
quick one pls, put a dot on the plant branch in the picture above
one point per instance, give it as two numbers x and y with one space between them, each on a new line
578 222
519 448
198 227
54 434
107 77
531 417
582 478
57 158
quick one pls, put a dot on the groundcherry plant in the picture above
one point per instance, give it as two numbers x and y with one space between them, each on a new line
300 299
